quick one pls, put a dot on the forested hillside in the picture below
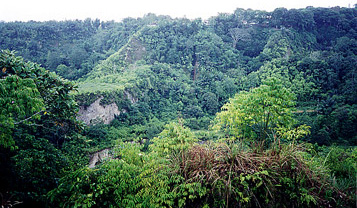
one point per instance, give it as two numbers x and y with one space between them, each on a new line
246 109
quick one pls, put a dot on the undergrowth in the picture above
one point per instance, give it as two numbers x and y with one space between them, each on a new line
181 173
238 176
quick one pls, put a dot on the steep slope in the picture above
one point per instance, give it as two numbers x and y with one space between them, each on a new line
161 67
113 76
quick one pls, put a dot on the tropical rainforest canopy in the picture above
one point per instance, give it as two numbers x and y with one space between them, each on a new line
249 109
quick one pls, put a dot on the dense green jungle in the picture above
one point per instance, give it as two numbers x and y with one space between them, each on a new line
244 109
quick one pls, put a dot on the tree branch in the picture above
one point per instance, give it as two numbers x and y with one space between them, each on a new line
26 119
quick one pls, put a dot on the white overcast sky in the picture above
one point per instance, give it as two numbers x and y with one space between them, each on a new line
42 10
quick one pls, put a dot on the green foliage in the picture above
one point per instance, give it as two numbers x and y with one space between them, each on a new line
284 43
277 46
42 94
339 164
37 165
21 102
259 113
134 179
70 48
297 82
156 69
336 125
38 117
212 174
75 151
74 188
341 161
175 138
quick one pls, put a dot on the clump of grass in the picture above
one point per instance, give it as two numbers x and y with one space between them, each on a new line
235 175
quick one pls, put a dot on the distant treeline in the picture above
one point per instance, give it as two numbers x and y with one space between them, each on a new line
73 48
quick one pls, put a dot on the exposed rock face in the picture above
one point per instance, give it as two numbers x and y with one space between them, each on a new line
96 111
98 157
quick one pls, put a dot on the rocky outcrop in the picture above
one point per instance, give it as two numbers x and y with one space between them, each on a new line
96 112
97 157
102 113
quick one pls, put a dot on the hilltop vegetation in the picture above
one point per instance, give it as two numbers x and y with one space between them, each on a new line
230 111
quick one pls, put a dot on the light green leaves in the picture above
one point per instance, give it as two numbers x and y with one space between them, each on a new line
174 138
21 103
259 113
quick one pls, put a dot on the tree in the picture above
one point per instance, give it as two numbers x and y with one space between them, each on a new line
37 116
297 82
278 17
262 113
21 103
210 102
239 34
28 89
